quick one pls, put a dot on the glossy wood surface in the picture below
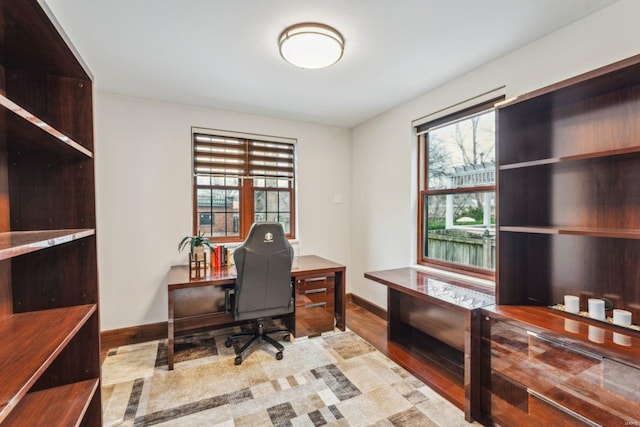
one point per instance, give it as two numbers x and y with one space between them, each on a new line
58 406
416 284
569 164
35 339
35 134
574 330
566 368
307 265
32 41
48 261
432 332
22 242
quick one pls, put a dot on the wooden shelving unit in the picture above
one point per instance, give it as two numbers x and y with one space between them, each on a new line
36 408
17 243
569 164
49 324
568 173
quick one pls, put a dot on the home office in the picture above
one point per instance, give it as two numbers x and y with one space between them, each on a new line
356 128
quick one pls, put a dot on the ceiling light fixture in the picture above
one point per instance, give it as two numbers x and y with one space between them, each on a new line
311 45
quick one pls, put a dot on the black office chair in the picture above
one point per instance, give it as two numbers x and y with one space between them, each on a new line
263 286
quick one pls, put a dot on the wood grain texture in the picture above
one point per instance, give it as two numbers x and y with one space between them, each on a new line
565 372
49 324
23 242
66 275
52 193
35 338
32 41
61 406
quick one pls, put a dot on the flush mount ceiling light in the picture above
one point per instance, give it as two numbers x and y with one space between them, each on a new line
311 45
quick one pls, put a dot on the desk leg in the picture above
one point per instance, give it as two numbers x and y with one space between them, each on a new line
170 332
340 289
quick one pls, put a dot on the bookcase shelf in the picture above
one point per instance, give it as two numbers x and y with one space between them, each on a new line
574 158
35 338
41 407
15 243
29 132
578 231
49 325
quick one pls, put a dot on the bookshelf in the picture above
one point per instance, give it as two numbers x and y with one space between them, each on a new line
49 324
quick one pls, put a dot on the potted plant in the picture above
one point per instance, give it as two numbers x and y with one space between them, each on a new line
196 245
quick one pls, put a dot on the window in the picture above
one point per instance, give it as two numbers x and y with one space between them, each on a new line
457 208
239 181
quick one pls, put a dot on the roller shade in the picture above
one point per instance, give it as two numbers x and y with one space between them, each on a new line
243 158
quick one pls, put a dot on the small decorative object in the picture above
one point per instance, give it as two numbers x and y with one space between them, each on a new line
596 309
197 256
571 304
622 317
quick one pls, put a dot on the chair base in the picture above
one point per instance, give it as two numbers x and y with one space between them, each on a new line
257 337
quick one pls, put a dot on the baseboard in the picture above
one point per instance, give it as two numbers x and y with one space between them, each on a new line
369 306
156 331
133 335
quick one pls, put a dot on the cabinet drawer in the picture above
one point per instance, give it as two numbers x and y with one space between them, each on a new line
306 297
314 283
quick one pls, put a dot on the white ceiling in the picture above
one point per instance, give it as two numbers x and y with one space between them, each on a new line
224 53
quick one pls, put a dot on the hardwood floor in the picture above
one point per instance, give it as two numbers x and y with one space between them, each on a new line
374 330
369 326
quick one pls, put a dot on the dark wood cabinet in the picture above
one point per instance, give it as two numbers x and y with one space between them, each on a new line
542 367
568 171
49 322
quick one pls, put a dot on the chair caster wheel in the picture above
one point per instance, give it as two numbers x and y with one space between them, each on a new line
238 360
279 355
228 343
287 337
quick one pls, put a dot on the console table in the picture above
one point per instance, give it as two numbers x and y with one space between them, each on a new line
433 331
206 300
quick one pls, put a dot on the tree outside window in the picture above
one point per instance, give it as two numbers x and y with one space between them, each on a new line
457 189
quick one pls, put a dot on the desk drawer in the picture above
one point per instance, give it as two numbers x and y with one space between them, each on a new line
315 283
315 305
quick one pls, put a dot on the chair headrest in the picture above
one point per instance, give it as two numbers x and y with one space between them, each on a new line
264 234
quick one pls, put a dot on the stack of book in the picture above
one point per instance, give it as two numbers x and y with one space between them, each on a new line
220 256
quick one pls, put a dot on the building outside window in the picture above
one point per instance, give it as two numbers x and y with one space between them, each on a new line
239 180
457 208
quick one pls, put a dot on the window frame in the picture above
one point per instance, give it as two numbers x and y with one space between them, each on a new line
422 133
246 188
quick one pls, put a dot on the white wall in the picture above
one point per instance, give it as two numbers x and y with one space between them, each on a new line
384 204
144 195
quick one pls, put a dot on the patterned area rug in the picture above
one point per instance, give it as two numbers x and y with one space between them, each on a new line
334 380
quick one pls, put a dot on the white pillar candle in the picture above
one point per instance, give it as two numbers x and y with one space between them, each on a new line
622 317
596 309
571 304
596 334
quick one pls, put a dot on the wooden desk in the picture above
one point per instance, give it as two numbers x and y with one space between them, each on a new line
205 301
433 331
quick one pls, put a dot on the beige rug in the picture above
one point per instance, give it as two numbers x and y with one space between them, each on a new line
334 380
